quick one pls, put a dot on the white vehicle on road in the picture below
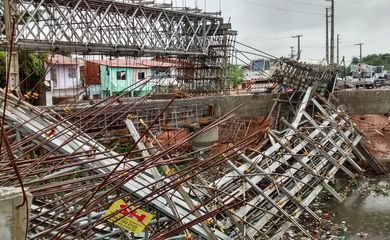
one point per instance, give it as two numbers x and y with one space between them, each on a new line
363 76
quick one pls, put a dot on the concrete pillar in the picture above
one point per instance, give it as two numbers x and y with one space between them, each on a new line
206 139
13 219
48 98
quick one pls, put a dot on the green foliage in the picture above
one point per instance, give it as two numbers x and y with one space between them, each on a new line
347 72
31 67
378 60
354 183
162 88
123 149
235 75
375 60
2 68
355 60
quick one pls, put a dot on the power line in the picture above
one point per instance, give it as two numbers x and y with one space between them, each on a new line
325 46
264 39
257 50
282 9
310 47
304 3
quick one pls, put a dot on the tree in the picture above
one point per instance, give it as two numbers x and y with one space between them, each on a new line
2 68
378 60
375 60
235 75
31 69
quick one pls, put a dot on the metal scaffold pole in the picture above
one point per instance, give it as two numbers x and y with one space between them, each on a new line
12 56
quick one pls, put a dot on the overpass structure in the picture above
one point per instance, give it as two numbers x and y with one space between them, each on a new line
200 42
113 27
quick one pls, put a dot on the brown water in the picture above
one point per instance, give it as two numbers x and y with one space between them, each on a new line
368 214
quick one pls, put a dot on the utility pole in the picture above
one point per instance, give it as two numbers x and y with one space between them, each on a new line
361 51
13 65
292 52
332 32
299 45
327 36
345 73
332 35
338 49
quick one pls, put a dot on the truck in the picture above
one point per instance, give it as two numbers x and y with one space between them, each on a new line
363 75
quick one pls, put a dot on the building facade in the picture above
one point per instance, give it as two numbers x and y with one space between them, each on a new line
131 77
63 78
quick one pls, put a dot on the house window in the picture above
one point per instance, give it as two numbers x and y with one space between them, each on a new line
72 73
121 75
161 72
141 75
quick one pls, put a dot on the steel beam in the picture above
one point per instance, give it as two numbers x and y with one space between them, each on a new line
112 27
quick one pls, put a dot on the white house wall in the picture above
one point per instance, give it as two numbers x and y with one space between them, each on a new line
63 80
63 85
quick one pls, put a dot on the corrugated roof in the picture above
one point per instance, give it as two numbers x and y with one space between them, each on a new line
134 63
63 60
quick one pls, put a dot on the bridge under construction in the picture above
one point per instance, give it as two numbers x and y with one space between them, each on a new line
140 169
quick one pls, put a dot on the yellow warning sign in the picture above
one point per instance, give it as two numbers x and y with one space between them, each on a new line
128 219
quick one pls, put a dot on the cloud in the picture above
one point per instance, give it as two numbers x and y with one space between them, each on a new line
356 21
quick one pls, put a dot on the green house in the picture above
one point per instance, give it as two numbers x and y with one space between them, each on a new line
122 75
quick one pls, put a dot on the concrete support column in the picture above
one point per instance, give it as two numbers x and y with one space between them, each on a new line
206 139
13 218
14 78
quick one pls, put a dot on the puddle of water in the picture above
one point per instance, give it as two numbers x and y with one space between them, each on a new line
365 214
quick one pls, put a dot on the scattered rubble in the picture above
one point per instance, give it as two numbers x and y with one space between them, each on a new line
375 130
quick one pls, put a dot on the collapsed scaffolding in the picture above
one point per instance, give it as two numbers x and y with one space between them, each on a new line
256 187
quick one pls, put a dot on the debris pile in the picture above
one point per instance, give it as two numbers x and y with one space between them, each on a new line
375 130
257 186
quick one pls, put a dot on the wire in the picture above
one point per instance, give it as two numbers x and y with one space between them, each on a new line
283 9
304 3
257 50
343 46
264 39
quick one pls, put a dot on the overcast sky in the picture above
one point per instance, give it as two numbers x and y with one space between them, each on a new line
269 24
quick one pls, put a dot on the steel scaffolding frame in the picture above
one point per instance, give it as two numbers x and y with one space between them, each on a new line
281 182
111 27
127 28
